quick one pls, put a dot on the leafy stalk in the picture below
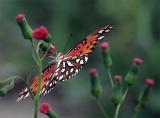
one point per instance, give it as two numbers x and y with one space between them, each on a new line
119 105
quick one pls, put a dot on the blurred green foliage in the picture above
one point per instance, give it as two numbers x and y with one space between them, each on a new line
136 25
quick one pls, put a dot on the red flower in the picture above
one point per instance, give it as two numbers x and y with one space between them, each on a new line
138 61
104 45
93 72
44 108
118 77
40 33
149 82
20 17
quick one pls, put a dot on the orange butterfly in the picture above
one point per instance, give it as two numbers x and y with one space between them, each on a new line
66 65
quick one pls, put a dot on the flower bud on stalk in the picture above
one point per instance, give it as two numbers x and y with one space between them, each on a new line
24 26
132 74
117 92
41 33
143 97
96 88
46 109
107 60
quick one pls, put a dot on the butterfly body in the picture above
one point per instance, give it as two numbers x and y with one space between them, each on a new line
66 66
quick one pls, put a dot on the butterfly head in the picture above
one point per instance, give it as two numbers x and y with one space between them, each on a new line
60 56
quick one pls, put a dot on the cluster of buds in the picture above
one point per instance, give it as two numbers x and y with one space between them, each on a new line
118 92
40 34
45 108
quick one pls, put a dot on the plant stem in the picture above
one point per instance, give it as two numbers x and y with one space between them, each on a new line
110 77
102 109
119 105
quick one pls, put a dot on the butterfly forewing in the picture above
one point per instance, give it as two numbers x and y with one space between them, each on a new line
86 46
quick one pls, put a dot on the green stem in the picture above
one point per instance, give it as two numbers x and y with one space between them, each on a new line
119 105
137 110
110 77
102 109
36 99
39 64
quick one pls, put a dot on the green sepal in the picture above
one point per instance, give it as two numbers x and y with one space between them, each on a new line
107 60
96 88
51 114
25 29
131 76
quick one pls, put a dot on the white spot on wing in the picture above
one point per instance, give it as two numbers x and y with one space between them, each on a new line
63 70
61 77
71 70
76 70
101 37
64 64
100 31
107 30
69 63
77 60
86 59
81 62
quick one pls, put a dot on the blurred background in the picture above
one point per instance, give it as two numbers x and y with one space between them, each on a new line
136 33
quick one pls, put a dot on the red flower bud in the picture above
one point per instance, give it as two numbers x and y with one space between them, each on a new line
20 17
44 108
138 61
40 33
149 82
104 45
93 72
118 77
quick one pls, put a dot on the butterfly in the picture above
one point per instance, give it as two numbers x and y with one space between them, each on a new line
66 66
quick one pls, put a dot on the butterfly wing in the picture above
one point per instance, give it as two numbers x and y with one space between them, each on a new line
77 57
47 74
65 69
86 46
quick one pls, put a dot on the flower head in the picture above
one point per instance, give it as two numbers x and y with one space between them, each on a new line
93 72
104 45
149 82
118 77
138 61
20 17
44 108
40 33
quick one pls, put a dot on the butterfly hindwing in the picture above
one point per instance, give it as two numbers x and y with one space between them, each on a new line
46 75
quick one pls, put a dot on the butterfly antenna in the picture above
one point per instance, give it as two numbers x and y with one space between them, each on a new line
67 42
